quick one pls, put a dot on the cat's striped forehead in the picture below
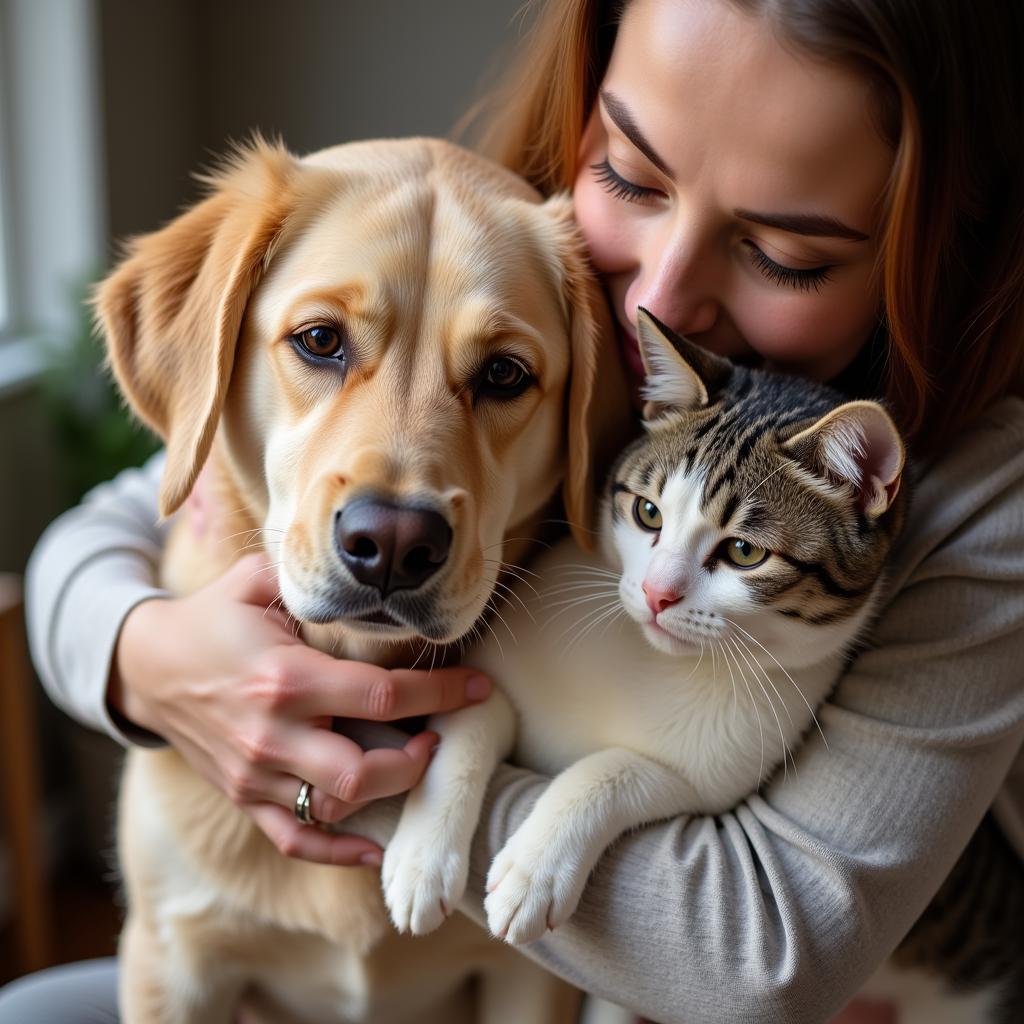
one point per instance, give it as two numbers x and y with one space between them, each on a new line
732 447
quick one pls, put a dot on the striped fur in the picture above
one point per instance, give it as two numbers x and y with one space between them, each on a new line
828 555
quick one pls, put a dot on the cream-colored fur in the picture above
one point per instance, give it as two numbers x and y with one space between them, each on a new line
431 261
684 711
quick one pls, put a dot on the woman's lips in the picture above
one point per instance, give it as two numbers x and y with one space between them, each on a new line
631 350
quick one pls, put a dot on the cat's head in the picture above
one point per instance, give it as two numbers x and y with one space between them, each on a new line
757 511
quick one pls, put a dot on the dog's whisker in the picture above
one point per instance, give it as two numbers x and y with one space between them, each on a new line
508 593
504 621
512 569
501 650
515 540
423 650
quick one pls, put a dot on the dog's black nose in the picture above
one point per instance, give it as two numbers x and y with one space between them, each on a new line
391 547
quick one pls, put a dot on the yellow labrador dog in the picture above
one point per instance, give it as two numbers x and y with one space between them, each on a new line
382 353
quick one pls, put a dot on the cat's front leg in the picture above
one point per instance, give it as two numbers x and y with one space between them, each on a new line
426 863
536 880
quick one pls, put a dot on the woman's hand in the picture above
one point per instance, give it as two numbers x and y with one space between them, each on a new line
221 675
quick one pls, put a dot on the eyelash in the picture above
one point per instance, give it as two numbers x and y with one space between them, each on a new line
615 185
804 280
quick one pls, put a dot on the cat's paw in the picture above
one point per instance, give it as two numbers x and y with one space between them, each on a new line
423 878
534 885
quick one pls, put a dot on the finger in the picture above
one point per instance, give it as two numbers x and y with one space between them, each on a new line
307 842
283 790
253 580
340 769
322 685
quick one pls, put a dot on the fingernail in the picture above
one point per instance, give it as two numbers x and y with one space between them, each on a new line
372 859
478 688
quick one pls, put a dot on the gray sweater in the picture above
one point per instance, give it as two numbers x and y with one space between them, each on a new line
780 909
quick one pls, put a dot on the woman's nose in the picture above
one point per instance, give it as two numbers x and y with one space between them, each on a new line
679 290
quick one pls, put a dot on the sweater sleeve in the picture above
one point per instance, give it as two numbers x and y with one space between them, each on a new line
91 566
781 909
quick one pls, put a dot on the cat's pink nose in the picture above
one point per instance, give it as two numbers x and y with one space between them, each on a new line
659 598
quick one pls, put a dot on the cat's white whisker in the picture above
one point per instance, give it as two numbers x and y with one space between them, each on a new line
620 614
581 624
747 656
594 593
782 668
753 704
597 620
767 679
566 588
699 660
581 602
728 665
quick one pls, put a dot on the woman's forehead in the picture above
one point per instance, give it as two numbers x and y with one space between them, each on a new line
720 98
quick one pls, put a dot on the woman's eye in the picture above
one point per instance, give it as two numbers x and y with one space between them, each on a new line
615 185
804 280
647 514
504 377
322 342
743 554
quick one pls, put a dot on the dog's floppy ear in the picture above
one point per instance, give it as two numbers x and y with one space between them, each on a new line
172 310
598 407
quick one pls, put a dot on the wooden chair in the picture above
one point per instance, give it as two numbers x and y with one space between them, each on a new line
22 790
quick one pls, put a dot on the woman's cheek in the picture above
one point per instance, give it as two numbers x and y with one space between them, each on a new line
813 336
603 226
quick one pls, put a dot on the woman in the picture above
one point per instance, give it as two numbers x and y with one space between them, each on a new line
832 188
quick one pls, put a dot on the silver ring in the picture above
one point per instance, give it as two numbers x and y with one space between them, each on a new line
303 804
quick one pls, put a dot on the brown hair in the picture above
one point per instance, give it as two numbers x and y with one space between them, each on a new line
950 91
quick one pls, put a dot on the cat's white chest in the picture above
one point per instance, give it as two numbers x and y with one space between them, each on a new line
583 678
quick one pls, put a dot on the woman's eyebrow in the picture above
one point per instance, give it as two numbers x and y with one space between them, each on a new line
813 224
623 119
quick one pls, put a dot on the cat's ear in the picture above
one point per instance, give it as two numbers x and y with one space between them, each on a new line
856 444
679 375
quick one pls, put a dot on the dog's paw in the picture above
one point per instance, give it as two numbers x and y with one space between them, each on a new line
422 880
532 887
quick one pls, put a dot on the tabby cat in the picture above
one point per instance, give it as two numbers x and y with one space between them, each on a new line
748 530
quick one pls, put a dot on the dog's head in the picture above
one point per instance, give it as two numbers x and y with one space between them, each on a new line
403 353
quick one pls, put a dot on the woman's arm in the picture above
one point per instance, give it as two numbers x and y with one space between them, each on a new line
781 909
90 568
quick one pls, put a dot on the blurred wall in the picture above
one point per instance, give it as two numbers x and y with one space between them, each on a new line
182 79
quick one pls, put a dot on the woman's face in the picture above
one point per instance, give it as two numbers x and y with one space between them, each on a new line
732 187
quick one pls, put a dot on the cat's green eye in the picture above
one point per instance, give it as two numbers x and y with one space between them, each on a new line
743 554
647 514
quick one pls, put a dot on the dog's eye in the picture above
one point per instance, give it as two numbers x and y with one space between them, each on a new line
324 342
504 377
